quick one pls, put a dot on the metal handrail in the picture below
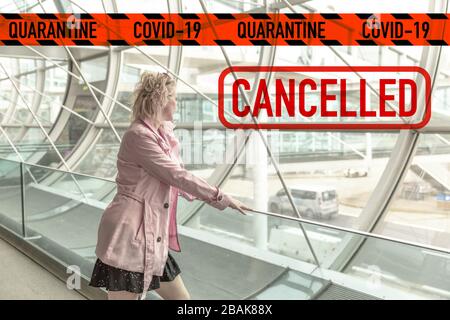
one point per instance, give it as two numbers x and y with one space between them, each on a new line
353 231
57 169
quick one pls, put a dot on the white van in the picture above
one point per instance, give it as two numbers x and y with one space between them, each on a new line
312 201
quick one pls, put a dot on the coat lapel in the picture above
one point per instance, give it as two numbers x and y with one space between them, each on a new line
161 141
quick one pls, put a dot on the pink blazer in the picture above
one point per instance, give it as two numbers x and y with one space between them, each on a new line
139 225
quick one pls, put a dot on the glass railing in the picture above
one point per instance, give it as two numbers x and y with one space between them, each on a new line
59 213
384 266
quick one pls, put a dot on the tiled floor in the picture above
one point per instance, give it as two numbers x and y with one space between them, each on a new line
22 278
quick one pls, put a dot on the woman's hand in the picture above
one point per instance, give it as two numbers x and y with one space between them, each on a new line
238 205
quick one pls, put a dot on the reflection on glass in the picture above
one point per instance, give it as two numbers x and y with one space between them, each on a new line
10 195
419 211
292 286
62 217
100 161
387 266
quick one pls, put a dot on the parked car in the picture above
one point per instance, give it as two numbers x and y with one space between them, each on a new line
356 172
311 201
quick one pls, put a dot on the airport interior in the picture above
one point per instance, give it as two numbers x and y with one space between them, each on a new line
373 206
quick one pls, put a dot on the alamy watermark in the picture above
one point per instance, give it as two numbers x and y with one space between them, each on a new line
218 146
74 21
74 279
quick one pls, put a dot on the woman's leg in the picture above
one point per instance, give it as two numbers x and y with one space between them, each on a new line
122 295
173 290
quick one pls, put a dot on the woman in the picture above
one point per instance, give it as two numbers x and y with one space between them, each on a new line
138 227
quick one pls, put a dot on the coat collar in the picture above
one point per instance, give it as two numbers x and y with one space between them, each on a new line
166 126
150 125
166 129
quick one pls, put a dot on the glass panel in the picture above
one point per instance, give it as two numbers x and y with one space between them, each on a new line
364 6
292 286
62 218
141 6
10 195
49 6
222 7
54 90
441 93
101 160
74 129
387 267
342 167
33 138
251 181
6 151
84 6
421 206
379 267
203 150
94 70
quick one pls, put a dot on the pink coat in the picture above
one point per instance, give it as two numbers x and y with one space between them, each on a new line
139 225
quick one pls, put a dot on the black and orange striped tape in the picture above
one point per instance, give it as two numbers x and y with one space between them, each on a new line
241 29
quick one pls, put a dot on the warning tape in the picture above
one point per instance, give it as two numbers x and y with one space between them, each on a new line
240 29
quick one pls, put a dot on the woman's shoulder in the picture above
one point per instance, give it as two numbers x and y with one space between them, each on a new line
136 130
139 126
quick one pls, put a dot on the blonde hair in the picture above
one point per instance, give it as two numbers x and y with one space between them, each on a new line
150 95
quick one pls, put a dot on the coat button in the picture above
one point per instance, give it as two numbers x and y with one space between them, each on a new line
159 239
166 205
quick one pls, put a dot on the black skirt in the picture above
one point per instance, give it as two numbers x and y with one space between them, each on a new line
115 279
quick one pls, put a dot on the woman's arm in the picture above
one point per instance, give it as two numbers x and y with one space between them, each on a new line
146 152
187 196
184 194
